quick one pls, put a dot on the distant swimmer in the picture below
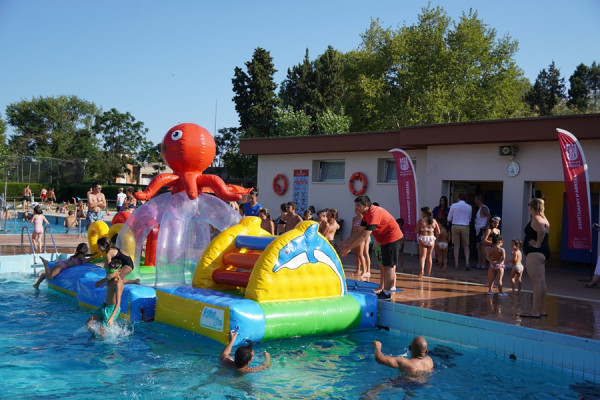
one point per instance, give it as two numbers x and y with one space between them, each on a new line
418 362
243 357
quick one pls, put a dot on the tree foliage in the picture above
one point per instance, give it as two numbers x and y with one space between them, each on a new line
238 165
547 92
435 71
57 127
292 123
121 137
578 90
255 99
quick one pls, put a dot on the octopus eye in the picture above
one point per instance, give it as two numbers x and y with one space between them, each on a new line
176 135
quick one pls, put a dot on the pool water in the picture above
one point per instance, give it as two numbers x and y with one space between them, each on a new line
56 223
45 352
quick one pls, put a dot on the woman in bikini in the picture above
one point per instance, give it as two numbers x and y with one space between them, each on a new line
112 252
80 257
427 229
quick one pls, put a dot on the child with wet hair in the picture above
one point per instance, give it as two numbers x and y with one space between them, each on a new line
243 357
496 258
38 222
516 260
110 309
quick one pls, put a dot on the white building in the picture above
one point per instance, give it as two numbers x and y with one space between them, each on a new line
448 159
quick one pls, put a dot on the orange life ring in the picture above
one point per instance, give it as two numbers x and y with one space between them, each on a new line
360 177
280 189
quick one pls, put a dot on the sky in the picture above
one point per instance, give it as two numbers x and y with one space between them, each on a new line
168 62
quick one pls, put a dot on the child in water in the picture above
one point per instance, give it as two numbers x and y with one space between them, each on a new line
38 221
80 257
516 260
496 257
243 357
110 309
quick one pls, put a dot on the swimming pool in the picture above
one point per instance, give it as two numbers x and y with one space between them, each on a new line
46 352
56 223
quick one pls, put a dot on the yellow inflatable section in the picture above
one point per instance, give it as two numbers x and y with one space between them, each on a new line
211 259
96 230
289 270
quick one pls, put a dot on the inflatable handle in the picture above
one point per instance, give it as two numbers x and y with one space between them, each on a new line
235 278
253 242
240 260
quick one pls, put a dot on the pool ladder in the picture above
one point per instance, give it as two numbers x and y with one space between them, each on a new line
36 265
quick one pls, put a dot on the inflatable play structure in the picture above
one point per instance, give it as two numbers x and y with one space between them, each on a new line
209 271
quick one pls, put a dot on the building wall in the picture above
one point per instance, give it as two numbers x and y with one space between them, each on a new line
436 167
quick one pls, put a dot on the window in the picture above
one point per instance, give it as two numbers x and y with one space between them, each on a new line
329 170
386 170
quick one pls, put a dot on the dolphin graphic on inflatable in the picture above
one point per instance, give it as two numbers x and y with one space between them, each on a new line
310 248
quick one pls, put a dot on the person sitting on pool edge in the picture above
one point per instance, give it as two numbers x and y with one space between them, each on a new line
243 357
418 362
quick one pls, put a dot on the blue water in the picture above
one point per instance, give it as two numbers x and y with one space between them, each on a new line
56 223
45 352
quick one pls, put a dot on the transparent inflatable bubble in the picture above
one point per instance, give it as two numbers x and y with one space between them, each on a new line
184 233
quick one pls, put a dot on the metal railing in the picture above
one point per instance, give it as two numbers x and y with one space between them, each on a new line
25 229
4 222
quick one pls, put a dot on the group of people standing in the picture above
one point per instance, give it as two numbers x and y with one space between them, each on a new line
445 224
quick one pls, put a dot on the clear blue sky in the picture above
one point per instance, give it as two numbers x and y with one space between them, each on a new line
167 62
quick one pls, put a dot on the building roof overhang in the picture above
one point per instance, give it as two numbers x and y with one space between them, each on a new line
539 129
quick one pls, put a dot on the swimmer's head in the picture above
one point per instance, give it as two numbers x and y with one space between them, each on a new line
103 244
418 347
38 210
113 266
243 356
497 240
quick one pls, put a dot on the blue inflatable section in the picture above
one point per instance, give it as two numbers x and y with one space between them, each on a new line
138 302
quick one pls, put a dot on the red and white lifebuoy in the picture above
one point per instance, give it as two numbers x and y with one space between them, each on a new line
358 176
280 188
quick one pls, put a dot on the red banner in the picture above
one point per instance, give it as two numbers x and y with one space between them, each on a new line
407 192
578 191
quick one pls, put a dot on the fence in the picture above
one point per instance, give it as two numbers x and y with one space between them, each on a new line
48 170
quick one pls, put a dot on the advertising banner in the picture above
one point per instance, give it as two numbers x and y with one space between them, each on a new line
300 190
577 187
407 192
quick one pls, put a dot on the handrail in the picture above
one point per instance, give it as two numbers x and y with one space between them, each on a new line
25 228
48 228
5 221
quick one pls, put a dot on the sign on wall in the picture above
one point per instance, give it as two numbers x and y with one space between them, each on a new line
300 191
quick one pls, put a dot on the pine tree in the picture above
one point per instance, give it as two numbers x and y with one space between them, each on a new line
578 91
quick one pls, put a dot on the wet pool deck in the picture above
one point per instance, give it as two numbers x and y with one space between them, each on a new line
572 309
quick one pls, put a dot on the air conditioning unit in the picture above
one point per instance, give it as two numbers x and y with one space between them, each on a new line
507 150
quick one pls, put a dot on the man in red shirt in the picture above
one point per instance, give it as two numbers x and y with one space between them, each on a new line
385 230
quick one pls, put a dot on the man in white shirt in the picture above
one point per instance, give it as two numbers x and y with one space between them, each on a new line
120 199
460 216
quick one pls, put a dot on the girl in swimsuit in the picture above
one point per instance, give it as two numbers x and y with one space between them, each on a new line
442 245
427 229
496 257
516 260
80 257
114 253
363 264
38 221
491 232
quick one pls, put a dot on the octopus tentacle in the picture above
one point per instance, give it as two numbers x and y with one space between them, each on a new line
155 185
189 180
218 186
